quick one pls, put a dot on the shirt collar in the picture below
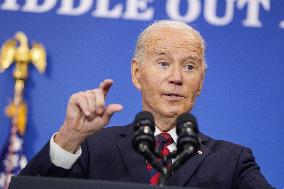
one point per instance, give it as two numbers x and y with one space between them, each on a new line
172 132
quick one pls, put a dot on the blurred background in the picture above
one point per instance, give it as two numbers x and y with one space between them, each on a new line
91 40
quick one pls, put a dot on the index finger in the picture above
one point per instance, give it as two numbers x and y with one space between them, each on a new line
105 86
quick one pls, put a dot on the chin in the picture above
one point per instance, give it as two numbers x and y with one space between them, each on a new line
172 112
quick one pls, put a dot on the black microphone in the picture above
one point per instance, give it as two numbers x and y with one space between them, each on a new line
144 128
143 141
188 142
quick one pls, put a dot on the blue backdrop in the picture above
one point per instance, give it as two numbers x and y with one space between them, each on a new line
90 40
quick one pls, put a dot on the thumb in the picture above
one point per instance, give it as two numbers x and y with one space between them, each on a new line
110 110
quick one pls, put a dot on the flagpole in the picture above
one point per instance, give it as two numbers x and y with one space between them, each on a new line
17 51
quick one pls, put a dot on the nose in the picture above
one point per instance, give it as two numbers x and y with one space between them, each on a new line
176 75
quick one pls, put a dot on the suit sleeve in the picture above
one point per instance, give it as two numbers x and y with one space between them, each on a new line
41 165
248 173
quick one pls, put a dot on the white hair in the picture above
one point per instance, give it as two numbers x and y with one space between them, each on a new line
140 46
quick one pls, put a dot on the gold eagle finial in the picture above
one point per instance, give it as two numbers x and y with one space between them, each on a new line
17 50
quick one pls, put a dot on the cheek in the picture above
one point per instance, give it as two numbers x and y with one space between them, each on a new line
152 88
193 88
195 82
150 82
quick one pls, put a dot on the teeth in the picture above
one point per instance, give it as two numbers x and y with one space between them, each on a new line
172 95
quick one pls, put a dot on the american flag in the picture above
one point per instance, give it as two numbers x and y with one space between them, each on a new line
12 158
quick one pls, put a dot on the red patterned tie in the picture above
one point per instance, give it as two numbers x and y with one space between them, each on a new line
163 140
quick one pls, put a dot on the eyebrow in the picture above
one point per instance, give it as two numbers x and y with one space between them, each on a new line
193 57
161 53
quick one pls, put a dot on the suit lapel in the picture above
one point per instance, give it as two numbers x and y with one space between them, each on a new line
135 163
183 174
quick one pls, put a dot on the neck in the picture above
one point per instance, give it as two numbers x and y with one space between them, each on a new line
164 123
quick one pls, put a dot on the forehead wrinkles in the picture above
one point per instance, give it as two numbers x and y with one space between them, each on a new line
158 45
192 45
188 44
151 45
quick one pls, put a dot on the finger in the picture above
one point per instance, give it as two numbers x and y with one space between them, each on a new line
81 100
105 86
91 100
73 109
111 109
100 101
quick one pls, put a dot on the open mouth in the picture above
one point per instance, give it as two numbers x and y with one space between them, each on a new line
173 95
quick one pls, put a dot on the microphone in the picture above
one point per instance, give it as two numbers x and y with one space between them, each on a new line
143 141
144 128
188 142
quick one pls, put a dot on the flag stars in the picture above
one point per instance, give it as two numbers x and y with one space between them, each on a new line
17 144
23 162
2 180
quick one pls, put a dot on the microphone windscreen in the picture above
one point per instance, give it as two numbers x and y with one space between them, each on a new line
144 118
144 115
186 118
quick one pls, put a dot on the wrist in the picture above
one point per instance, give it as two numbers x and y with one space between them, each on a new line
69 139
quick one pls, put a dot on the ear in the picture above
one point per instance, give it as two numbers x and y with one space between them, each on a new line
135 73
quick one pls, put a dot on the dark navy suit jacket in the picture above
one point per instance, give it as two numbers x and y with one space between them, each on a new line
109 156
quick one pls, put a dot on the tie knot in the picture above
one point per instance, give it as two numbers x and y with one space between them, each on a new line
163 140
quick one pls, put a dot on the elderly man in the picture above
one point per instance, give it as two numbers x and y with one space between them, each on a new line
168 68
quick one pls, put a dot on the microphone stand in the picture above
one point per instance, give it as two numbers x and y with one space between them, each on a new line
168 168
162 163
167 171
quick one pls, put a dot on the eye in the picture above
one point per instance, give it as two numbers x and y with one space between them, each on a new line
164 65
189 67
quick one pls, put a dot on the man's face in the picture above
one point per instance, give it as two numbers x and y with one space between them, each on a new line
171 74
